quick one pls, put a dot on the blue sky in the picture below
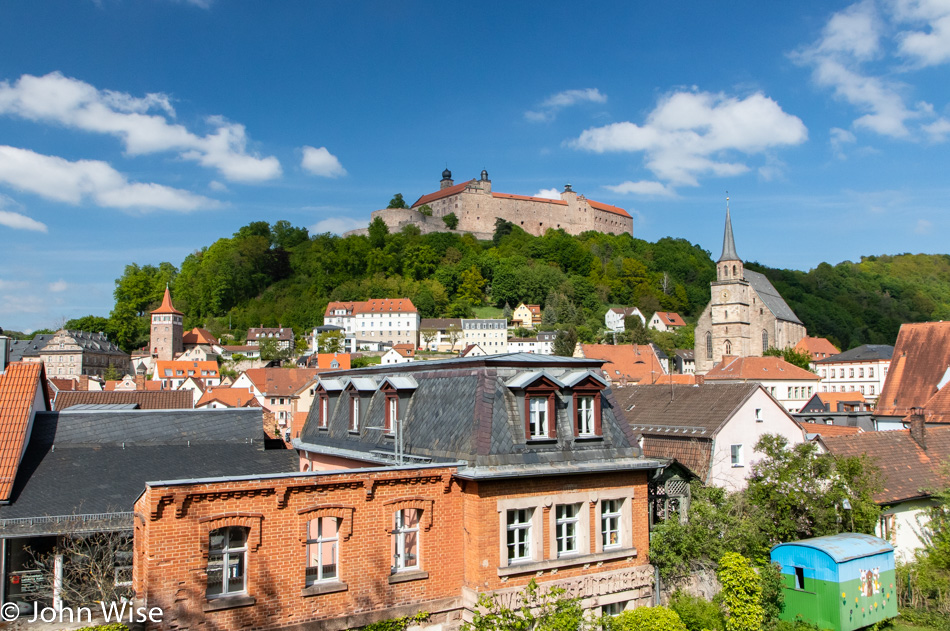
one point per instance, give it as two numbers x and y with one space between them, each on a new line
142 130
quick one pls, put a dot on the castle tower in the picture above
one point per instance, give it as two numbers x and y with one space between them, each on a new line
729 265
165 340
446 180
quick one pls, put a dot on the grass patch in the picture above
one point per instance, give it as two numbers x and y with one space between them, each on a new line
488 312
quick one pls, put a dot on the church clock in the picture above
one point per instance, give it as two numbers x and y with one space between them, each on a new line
725 294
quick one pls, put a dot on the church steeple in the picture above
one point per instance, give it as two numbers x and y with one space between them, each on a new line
728 241
729 265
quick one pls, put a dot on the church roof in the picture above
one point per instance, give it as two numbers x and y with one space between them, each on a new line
728 241
770 296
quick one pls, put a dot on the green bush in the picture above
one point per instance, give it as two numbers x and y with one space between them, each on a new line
696 613
114 626
741 593
647 619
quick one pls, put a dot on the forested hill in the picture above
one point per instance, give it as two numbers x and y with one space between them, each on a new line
280 275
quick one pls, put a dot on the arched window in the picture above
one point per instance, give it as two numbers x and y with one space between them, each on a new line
733 270
765 340
708 345
227 561
728 347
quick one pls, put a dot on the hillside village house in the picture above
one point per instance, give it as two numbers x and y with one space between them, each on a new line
710 429
490 334
74 354
421 486
790 385
615 318
666 321
283 337
745 316
684 361
278 390
840 409
625 363
817 348
383 321
917 377
912 464
541 344
172 374
443 335
862 369
399 354
526 316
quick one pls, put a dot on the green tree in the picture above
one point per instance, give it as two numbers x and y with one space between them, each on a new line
634 330
426 210
540 610
378 231
646 619
90 323
472 287
506 312
741 593
451 221
111 373
330 342
802 359
564 342
397 202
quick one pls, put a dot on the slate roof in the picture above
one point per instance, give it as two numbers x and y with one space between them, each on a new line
18 389
864 353
28 348
829 402
908 471
770 296
96 342
758 369
464 410
440 323
146 399
921 361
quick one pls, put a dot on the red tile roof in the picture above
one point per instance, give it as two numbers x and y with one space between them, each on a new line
830 430
445 192
608 208
198 336
183 369
19 385
528 198
920 361
758 369
167 306
817 347
325 361
382 305
908 470
636 363
146 399
280 381
684 379
148 385
228 397
670 319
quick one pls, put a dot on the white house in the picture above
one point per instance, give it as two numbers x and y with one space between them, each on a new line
443 335
912 464
388 321
490 334
666 321
790 385
615 316
711 429
399 354
862 369
542 344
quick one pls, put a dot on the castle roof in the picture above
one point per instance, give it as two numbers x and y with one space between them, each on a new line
608 208
445 192
167 306
528 198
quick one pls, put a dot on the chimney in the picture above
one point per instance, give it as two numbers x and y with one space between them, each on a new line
918 430
4 352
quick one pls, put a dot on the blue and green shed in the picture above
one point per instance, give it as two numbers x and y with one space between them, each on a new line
841 582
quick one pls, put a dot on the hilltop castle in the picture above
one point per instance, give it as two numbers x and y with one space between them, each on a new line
476 206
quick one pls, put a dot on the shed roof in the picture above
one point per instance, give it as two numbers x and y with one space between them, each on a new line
844 546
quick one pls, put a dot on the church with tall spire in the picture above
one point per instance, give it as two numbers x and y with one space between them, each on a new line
745 315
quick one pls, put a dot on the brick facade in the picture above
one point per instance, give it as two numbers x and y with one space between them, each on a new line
461 551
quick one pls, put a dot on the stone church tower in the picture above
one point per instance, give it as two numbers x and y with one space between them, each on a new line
745 315
165 340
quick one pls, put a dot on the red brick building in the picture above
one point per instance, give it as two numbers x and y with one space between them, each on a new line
422 485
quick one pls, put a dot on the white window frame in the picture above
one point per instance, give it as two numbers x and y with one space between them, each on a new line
518 523
585 415
226 554
735 455
400 533
611 522
567 518
355 413
319 542
538 416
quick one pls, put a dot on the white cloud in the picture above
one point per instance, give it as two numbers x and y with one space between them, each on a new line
840 138
54 98
923 227
688 133
20 222
548 193
217 186
10 285
321 162
58 179
58 286
337 225
851 41
938 130
549 108
931 46
643 187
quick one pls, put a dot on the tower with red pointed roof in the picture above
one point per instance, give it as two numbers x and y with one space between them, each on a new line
165 341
